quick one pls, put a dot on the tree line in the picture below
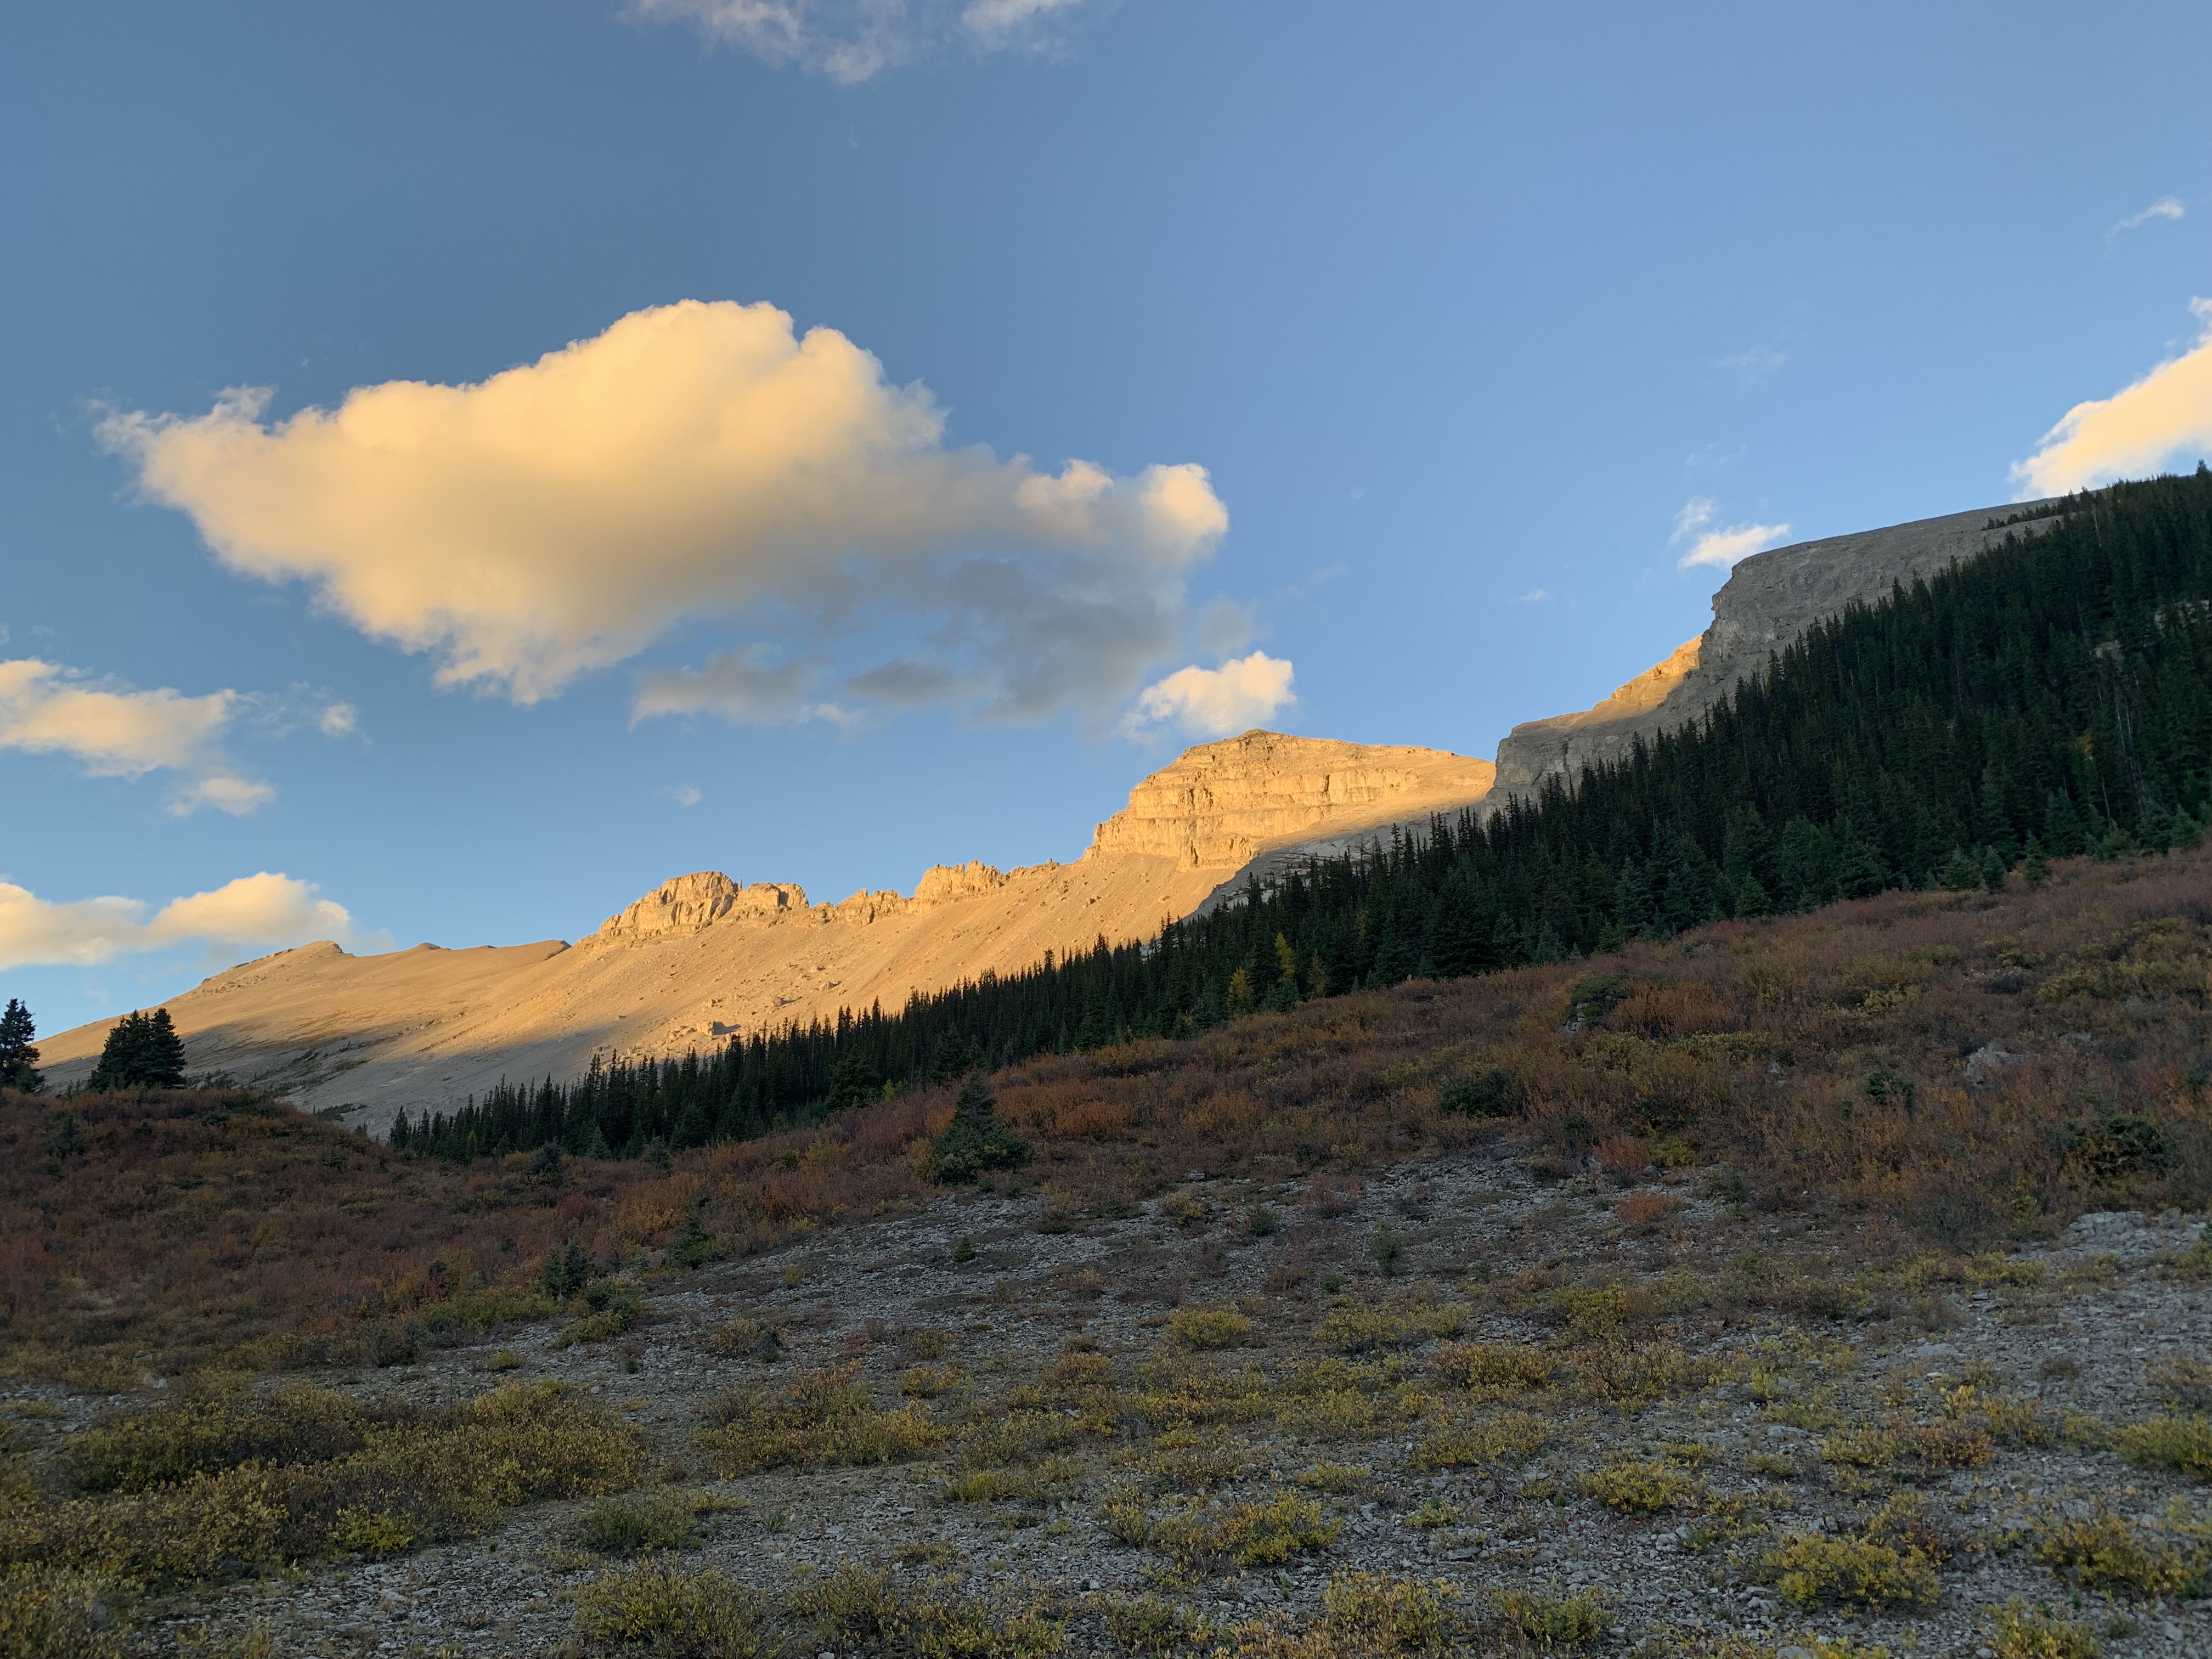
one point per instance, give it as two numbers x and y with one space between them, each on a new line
2049 698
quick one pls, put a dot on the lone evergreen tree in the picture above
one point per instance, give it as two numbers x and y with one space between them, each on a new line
18 1059
976 1140
143 1051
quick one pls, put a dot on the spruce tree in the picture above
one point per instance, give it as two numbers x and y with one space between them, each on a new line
143 1051
976 1141
19 1059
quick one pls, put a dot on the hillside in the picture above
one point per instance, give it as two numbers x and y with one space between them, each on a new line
1823 1278
700 956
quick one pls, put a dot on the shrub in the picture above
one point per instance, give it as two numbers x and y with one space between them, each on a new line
1499 1368
2175 1443
632 1526
1493 1094
1645 1488
1366 1610
1334 1477
2106 1552
2186 1383
1151 1624
430 1475
1815 1570
50 1614
821 1417
1513 1437
676 1612
855 1606
1210 1327
2015 1630
1256 1533
1553 1622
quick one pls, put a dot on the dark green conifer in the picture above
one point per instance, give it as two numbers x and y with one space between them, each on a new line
19 1057
976 1141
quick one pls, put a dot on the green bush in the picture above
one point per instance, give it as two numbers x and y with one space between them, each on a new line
634 1525
1816 1570
48 1615
675 1612
821 1417
2174 1443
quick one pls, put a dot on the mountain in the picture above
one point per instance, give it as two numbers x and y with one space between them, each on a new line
701 956
1768 600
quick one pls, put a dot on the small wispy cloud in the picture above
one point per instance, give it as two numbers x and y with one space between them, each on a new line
684 794
2167 207
1753 367
853 41
1535 596
1714 457
1720 545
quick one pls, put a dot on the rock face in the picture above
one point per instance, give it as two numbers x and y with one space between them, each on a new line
1769 599
1222 804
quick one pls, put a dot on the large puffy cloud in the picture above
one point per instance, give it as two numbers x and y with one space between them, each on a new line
696 459
257 909
116 732
855 40
2163 418
1214 702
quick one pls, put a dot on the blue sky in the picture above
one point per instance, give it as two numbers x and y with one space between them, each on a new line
1479 322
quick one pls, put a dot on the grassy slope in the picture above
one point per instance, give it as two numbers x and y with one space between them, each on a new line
199 1229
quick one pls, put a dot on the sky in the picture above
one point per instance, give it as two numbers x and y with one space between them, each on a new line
463 464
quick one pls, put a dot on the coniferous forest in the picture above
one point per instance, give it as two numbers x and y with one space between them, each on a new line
2050 698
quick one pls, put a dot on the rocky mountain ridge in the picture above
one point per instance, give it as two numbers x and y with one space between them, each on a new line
702 955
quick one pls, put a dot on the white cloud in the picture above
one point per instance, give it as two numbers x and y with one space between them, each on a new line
686 794
695 460
2167 207
115 731
338 719
1535 596
2165 418
1755 366
855 40
1724 545
1214 702
259 909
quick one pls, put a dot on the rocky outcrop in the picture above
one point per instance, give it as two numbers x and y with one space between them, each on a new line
685 904
1768 600
1221 803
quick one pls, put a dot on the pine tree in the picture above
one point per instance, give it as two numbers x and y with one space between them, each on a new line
2037 868
19 1059
976 1141
143 1051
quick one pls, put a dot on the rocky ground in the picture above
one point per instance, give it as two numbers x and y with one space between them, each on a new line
1786 1362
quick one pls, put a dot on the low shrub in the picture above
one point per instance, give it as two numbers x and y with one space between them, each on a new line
2183 1444
634 1525
424 1476
1502 1369
1210 1327
1512 1437
2016 1631
676 1612
1642 1488
1814 1569
46 1613
2107 1552
1553 1622
1209 1536
821 1417
1380 1614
